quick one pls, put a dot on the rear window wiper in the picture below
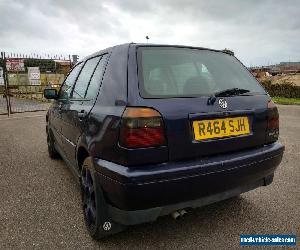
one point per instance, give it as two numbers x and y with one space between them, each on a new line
231 92
226 92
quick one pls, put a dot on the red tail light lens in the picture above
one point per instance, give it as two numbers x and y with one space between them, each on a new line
141 127
273 123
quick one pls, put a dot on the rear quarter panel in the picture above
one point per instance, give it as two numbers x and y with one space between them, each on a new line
102 131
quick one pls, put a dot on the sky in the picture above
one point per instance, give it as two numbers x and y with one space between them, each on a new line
260 32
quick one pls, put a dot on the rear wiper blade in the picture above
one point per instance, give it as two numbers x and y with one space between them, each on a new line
226 92
231 92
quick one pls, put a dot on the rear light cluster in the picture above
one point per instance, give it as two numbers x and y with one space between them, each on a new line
273 123
141 128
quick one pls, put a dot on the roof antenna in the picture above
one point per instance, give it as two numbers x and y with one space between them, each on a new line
147 37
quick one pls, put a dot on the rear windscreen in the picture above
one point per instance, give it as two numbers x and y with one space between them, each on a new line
166 72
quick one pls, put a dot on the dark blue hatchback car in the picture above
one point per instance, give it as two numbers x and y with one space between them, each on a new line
151 130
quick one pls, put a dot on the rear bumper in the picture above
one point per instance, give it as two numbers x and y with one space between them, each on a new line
151 214
142 193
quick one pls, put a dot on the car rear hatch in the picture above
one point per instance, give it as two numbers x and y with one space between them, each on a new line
181 116
188 88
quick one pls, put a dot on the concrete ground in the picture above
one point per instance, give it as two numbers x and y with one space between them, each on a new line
40 200
21 105
3 105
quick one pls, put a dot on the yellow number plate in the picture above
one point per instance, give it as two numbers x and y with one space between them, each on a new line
218 128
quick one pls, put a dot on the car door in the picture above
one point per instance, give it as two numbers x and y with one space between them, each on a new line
75 112
63 97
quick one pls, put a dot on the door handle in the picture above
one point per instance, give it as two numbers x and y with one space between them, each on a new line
82 114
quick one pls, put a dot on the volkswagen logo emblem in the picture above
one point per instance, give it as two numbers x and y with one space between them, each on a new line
107 226
222 103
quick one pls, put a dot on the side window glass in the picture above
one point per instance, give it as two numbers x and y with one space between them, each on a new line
96 79
66 88
84 78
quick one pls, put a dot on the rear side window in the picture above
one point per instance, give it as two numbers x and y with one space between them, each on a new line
166 72
84 78
96 78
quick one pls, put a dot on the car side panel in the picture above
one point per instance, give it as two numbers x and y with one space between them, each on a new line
102 126
73 126
54 122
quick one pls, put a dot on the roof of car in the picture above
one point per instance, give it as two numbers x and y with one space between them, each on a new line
171 45
107 50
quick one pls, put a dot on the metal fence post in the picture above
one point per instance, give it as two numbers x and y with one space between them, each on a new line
6 89
70 61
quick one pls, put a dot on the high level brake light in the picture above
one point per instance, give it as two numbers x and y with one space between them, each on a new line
141 128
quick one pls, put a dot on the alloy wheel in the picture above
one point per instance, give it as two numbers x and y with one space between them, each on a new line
89 201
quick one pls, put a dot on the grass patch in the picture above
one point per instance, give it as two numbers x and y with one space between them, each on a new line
286 101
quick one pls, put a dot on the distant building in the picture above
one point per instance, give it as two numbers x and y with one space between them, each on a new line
281 68
288 67
64 65
289 63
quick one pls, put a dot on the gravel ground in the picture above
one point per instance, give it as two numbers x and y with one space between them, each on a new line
40 200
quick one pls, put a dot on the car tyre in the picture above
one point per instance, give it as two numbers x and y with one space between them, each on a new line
94 206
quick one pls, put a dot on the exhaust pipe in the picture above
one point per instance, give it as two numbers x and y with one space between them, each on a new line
178 214
175 215
182 212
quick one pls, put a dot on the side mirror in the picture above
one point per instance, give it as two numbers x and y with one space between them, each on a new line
50 93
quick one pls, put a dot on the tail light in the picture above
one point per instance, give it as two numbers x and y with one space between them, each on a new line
141 128
273 123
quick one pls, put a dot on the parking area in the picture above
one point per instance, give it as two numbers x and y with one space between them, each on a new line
19 105
40 199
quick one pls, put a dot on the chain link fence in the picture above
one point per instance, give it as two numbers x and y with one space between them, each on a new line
23 79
